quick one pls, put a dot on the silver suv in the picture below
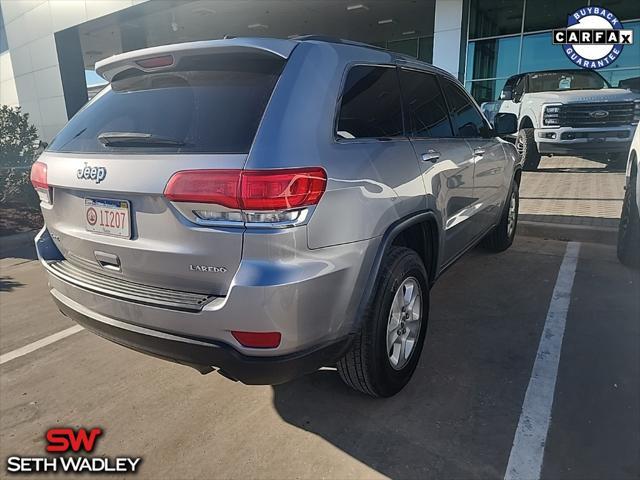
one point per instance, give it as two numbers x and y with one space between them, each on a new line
265 207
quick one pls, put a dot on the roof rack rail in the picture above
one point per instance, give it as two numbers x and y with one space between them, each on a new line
329 39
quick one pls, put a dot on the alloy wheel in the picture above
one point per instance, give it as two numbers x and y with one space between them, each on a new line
403 325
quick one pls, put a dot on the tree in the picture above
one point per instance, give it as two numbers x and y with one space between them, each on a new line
17 138
17 150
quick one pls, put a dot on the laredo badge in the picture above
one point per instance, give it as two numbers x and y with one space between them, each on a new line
594 37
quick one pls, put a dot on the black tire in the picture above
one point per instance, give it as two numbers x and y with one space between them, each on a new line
501 237
617 160
629 229
367 366
528 150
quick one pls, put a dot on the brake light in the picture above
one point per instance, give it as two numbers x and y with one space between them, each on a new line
39 181
156 62
258 339
281 189
205 186
249 190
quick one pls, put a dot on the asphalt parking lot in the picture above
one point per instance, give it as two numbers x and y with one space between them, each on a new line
456 419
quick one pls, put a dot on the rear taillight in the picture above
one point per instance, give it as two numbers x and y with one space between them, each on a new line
262 196
39 181
281 189
205 186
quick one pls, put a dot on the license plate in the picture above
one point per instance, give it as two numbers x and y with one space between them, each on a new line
108 217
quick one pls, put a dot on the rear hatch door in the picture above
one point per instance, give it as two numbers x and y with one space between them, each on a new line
109 166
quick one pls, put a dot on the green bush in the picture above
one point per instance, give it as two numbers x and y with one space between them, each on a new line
18 146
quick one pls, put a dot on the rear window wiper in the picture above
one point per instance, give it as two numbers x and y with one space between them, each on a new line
134 139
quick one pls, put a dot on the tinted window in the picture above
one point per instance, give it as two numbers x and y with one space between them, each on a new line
489 18
485 90
467 121
425 108
493 58
370 104
213 105
567 80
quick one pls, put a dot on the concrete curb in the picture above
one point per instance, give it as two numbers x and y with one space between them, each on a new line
9 242
578 233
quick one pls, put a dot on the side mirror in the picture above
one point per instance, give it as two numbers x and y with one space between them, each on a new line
507 93
505 124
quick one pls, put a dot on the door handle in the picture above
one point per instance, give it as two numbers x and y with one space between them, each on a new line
430 155
478 152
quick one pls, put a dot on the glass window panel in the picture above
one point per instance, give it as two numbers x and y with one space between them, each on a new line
425 107
182 105
538 53
408 47
467 121
630 56
371 105
623 9
548 14
488 18
630 78
486 90
493 58
425 49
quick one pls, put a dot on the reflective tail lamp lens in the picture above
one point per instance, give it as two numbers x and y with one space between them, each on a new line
249 190
39 181
257 339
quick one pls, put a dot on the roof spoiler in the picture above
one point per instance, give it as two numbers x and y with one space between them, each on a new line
109 67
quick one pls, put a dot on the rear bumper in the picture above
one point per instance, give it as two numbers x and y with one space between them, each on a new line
203 354
311 300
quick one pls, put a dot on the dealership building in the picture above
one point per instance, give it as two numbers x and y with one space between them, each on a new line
48 48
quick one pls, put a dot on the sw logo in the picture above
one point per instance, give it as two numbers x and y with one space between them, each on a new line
65 440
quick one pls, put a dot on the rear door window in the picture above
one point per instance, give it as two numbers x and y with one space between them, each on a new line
371 105
467 119
211 104
425 109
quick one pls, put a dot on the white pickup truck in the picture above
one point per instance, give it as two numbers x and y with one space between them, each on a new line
568 112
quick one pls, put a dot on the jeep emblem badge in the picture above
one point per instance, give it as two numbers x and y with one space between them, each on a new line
96 174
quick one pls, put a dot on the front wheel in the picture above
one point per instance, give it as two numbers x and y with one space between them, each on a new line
617 160
629 229
502 235
385 353
527 149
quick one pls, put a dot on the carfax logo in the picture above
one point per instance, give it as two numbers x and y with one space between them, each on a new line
65 440
594 37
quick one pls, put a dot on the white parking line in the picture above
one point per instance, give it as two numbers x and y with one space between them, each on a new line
32 347
525 461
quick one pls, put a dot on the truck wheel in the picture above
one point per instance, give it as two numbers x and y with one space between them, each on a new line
502 235
386 351
617 160
629 229
528 150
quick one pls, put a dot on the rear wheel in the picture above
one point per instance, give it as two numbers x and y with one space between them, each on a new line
387 349
527 149
629 229
501 237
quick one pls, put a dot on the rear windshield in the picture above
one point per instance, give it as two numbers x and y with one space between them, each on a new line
207 105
